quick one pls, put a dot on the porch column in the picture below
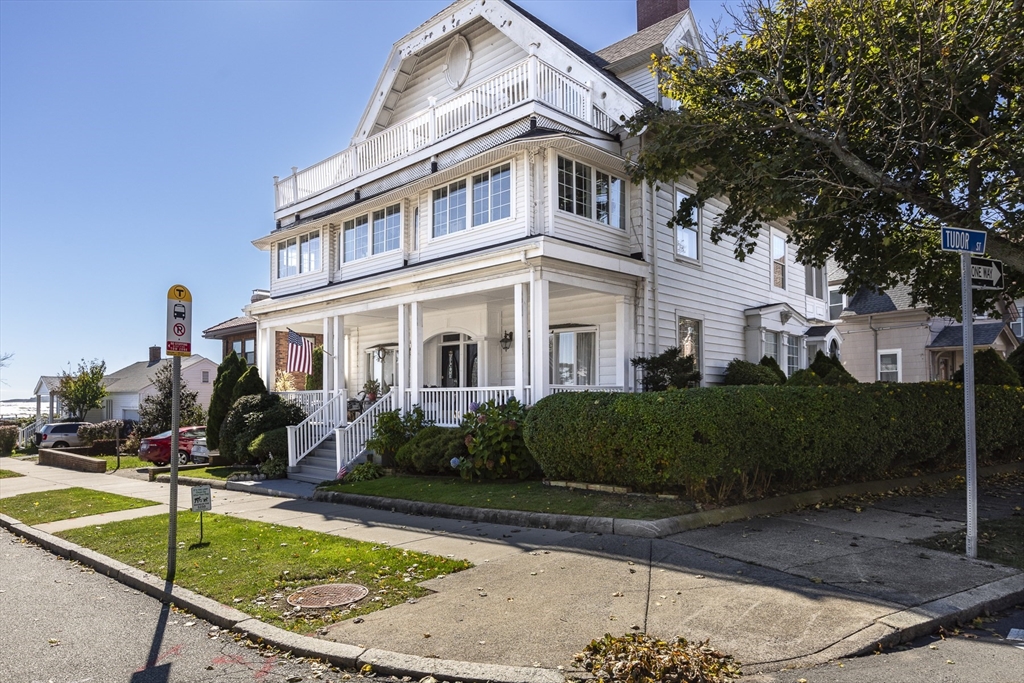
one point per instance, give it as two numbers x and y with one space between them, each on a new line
520 334
539 341
415 351
338 350
51 407
623 342
39 407
403 357
265 356
326 374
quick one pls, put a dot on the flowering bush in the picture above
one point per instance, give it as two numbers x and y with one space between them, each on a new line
494 438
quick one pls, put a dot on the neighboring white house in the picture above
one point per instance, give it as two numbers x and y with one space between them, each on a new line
129 386
480 237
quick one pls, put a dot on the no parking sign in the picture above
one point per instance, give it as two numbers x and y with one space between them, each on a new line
179 321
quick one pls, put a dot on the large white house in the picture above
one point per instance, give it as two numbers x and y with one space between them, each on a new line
480 238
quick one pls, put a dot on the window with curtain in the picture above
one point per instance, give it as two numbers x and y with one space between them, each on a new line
573 357
889 369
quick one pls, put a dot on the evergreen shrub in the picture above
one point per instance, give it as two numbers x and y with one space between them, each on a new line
249 384
723 443
272 443
773 365
431 451
228 373
1016 361
831 370
252 416
990 368
804 378
8 439
740 372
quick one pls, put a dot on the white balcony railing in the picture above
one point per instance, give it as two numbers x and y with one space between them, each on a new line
528 80
311 401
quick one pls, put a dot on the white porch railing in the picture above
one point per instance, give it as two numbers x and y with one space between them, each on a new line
311 401
445 407
530 79
563 388
311 432
350 441
26 433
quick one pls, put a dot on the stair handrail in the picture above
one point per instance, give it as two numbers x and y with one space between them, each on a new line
304 437
349 441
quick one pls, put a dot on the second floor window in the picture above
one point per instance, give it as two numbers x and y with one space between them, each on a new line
815 282
450 209
591 194
688 238
492 195
360 237
299 255
778 260
836 303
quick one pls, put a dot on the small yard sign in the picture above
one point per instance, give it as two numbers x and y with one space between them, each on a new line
202 498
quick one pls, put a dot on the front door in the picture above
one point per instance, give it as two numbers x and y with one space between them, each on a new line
451 365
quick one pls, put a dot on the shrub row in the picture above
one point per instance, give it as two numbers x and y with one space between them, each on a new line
720 443
8 438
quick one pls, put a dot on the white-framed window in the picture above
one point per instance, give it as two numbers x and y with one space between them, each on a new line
573 356
591 193
689 340
206 377
449 209
890 365
298 255
778 260
837 301
1017 327
771 345
688 238
814 282
492 195
374 233
792 354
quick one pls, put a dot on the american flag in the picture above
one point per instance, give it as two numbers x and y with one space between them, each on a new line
300 353
342 472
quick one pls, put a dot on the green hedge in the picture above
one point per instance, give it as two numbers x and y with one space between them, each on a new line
718 443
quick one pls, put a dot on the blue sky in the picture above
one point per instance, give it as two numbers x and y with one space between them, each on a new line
138 142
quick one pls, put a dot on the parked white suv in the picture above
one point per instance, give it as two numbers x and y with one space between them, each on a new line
59 435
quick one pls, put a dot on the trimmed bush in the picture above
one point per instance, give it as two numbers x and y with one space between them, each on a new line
667 370
272 443
740 372
724 443
1016 361
831 370
108 429
249 384
804 378
773 365
494 438
8 439
252 416
990 368
275 467
431 451
228 374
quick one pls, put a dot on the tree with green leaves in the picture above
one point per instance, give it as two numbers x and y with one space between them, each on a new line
82 390
228 373
863 125
155 411
315 380
249 384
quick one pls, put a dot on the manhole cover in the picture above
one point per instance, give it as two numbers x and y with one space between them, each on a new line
327 595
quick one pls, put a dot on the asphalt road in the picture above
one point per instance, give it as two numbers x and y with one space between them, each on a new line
61 622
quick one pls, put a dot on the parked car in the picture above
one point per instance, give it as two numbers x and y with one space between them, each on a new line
200 453
59 435
157 449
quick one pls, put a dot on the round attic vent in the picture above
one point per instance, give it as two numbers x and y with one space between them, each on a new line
456 68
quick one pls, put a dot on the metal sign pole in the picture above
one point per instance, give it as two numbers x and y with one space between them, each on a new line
172 527
967 316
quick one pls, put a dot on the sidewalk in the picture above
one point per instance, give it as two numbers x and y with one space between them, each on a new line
794 589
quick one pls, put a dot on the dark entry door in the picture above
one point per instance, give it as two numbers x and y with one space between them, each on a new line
451 361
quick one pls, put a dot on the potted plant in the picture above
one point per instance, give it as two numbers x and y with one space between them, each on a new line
371 388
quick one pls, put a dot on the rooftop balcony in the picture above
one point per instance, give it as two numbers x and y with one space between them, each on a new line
529 80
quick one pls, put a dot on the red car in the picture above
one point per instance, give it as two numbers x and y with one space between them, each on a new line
157 449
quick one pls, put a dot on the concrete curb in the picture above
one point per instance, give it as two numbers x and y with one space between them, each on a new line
643 528
228 618
243 486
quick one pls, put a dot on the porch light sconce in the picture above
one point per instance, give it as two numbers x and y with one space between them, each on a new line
506 341
380 352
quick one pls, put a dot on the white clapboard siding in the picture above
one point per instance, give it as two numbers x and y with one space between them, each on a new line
590 232
376 263
304 281
492 53
718 290
641 80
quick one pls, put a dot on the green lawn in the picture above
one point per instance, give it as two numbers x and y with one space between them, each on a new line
5 474
1000 540
221 473
254 566
128 462
530 496
50 506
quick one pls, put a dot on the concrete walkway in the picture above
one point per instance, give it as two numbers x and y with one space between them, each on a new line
795 589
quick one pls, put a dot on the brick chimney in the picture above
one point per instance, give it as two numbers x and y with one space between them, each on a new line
154 354
650 12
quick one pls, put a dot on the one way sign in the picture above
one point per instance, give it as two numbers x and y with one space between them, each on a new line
986 274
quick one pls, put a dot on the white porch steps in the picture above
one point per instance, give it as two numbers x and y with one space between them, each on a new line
320 464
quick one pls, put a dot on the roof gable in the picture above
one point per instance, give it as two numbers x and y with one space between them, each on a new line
662 38
522 32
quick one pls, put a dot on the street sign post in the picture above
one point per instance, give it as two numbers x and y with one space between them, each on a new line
968 242
961 239
986 274
179 343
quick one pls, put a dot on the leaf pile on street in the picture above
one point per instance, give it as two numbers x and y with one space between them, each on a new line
640 658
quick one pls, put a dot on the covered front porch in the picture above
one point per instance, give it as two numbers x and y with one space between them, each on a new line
453 346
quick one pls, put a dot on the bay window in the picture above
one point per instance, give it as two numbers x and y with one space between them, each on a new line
591 193
298 255
374 233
